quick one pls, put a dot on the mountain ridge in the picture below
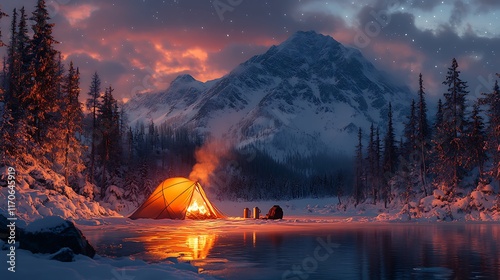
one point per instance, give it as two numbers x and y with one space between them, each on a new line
306 95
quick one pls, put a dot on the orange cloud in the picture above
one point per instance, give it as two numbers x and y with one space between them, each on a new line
76 14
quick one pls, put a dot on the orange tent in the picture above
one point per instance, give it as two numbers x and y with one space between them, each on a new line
177 198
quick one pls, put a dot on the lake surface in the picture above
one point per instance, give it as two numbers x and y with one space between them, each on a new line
313 251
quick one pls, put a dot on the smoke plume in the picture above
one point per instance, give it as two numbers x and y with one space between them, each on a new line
208 158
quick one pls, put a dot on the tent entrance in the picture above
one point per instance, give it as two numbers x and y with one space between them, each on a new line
199 208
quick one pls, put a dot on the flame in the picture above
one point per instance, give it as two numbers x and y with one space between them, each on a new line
194 208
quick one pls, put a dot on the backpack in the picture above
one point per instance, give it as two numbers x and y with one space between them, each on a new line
275 213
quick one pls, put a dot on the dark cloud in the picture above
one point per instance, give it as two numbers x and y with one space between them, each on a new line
432 52
486 5
459 12
426 6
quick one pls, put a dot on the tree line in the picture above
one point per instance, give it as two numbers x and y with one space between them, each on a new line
91 142
429 156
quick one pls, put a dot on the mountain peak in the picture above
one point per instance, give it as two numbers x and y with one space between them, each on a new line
183 78
307 34
308 39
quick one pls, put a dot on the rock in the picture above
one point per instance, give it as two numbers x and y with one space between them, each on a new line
64 255
275 213
49 235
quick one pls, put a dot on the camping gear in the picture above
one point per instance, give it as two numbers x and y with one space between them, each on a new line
246 213
275 213
256 213
177 198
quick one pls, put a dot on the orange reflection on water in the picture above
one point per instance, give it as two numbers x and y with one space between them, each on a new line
201 245
185 246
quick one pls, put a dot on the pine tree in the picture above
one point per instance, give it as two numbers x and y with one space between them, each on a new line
437 141
359 170
410 133
476 141
492 101
13 61
439 116
93 105
408 172
109 148
378 166
423 135
22 61
371 166
390 156
451 136
7 143
72 117
40 99
2 14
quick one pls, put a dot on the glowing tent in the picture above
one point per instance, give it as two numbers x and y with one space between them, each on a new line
177 198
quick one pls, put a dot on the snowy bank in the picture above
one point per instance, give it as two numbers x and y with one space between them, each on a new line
40 192
40 267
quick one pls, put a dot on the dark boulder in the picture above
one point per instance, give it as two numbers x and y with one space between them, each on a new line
275 213
49 235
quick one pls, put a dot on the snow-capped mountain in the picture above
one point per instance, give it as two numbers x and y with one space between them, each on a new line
307 95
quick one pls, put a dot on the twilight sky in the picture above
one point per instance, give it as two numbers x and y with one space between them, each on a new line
138 45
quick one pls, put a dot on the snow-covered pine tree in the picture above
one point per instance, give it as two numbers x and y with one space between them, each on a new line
492 101
109 147
423 135
93 104
71 118
21 79
7 145
12 124
407 175
436 142
451 136
476 141
40 99
13 61
359 170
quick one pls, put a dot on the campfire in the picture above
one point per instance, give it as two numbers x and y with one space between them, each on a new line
197 211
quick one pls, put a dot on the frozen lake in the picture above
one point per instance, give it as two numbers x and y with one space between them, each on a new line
309 248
